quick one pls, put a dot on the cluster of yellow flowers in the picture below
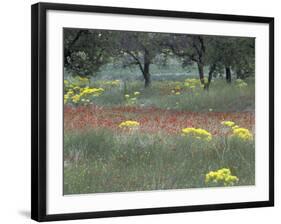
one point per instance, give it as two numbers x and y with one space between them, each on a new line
194 83
221 176
177 88
91 91
197 133
65 82
76 94
76 81
188 84
131 99
129 124
240 83
112 83
176 92
228 123
242 133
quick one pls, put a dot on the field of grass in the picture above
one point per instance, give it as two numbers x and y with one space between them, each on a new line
103 161
103 153
220 97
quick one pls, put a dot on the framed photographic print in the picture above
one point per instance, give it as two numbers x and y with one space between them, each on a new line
139 111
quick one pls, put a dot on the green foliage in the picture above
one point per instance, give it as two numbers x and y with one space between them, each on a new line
104 161
87 51
235 52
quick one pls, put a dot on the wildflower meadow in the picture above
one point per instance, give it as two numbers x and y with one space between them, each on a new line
176 129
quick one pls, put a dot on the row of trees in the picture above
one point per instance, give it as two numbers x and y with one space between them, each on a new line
85 51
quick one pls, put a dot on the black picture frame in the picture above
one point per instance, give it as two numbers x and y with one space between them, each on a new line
39 107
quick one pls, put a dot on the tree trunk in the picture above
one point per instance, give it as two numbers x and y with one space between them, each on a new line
210 76
146 74
228 74
201 72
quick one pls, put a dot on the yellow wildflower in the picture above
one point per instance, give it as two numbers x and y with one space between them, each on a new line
197 133
129 124
228 123
115 82
94 91
234 127
75 98
242 133
65 98
70 92
222 176
136 93
240 83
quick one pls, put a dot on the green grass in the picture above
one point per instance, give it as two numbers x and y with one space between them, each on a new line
220 97
106 161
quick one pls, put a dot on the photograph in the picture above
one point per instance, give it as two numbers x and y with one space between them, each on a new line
151 111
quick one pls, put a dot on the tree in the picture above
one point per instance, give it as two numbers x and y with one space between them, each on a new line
141 48
85 51
214 57
244 64
190 49
231 54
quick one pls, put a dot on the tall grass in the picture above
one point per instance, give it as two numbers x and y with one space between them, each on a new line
105 161
220 97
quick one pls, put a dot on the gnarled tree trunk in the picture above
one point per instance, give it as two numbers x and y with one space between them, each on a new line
201 72
210 76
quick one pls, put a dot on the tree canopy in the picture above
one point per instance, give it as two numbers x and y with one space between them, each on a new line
85 51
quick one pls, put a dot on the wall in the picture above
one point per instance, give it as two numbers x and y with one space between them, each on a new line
15 110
